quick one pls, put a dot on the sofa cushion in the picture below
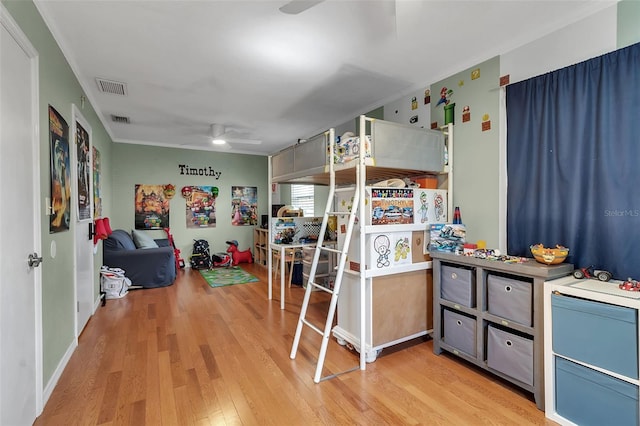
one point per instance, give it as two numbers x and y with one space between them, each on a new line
142 240
120 239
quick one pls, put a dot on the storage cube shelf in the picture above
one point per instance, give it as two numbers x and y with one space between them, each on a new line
591 355
490 313
260 246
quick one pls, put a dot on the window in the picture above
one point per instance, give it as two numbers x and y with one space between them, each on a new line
302 198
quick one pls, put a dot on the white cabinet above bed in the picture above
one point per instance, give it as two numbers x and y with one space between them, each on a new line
396 150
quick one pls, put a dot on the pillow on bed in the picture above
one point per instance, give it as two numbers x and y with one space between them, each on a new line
143 240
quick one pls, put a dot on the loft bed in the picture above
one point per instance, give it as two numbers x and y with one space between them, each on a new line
396 151
395 313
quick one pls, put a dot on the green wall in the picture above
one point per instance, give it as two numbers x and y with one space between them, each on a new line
59 88
628 19
475 151
142 164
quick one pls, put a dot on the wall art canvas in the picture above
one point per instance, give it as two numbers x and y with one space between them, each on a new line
201 206
83 175
60 177
244 205
97 194
151 207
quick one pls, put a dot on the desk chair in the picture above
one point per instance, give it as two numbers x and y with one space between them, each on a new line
289 259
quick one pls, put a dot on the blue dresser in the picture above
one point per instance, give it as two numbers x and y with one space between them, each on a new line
591 353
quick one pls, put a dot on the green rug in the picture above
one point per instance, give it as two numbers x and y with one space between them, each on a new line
220 277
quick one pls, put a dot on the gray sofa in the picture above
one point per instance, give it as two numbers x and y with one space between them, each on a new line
145 267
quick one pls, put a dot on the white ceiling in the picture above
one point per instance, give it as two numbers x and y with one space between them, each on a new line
277 77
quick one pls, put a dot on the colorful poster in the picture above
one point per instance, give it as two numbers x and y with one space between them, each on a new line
97 195
60 173
244 205
151 207
83 167
201 206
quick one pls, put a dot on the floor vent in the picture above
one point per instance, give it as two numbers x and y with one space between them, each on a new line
120 119
113 87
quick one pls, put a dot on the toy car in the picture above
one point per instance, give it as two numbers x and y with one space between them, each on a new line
630 285
589 272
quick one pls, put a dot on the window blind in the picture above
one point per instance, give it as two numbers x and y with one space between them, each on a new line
302 198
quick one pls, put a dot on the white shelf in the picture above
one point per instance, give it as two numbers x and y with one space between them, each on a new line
374 229
371 273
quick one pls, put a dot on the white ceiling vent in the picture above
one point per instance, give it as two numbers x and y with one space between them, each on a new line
120 119
113 87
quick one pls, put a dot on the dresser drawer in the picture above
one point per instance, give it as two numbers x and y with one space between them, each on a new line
596 333
589 397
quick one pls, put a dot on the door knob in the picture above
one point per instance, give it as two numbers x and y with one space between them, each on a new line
34 261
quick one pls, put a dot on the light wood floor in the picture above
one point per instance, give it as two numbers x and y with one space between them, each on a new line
189 354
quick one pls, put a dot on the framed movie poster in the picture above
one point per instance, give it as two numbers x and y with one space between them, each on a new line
82 134
151 207
97 174
244 205
60 177
201 206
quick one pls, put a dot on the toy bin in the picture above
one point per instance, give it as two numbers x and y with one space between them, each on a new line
459 331
510 354
589 397
458 285
510 299
596 333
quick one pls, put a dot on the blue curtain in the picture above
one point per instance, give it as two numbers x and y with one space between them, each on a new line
573 162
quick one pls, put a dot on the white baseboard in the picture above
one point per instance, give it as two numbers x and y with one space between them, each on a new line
53 381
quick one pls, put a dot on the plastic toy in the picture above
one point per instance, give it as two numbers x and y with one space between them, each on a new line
220 260
630 285
589 272
238 256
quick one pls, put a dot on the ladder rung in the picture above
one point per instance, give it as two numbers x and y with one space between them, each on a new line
313 327
321 287
339 213
329 249
345 189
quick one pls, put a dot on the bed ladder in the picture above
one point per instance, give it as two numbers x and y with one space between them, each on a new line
341 252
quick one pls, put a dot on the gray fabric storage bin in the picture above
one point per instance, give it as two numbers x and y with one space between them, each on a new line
458 285
510 354
459 331
510 299
322 268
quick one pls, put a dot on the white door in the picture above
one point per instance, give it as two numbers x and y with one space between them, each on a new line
20 279
83 212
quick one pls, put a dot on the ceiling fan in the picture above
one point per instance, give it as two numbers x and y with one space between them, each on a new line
222 137
402 13
298 6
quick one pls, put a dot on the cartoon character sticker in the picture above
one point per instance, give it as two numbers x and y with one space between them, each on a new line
466 114
445 95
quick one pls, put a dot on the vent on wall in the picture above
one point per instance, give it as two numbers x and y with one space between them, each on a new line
120 119
113 87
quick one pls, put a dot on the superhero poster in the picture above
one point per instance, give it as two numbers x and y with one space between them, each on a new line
151 207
